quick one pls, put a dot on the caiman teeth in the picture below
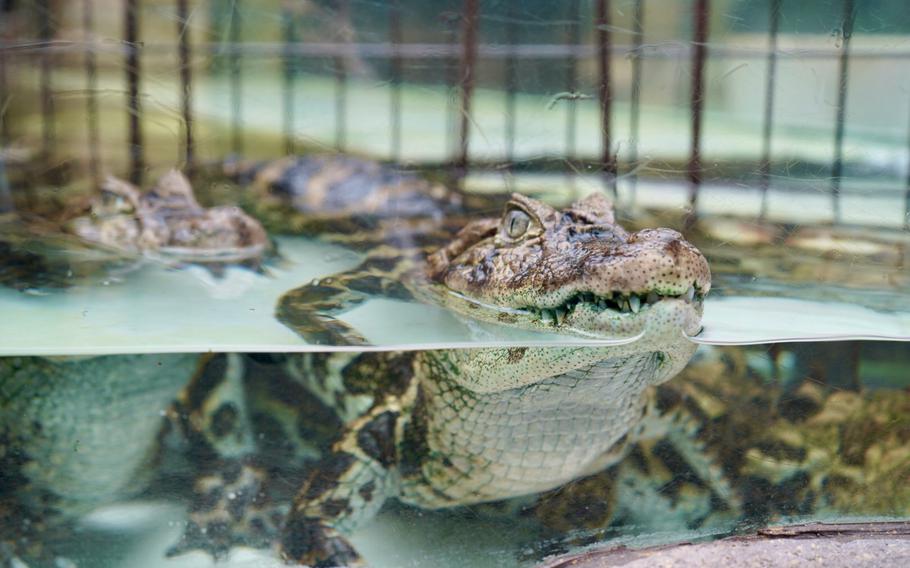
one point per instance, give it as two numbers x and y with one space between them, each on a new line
622 302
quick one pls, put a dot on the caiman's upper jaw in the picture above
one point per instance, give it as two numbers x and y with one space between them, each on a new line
575 270
610 305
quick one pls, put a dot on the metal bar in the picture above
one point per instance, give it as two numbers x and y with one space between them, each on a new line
6 196
605 95
699 55
572 38
7 204
907 189
452 51
91 96
423 51
907 194
185 55
235 36
48 119
289 74
771 79
341 80
837 167
4 86
133 105
511 77
638 36
4 101
468 64
395 92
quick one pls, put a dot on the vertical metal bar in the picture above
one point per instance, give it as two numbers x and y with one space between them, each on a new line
511 72
770 80
46 34
4 92
6 196
133 105
91 100
605 95
288 63
699 55
907 191
395 94
573 26
4 87
341 83
451 84
837 167
468 63
638 37
235 38
186 84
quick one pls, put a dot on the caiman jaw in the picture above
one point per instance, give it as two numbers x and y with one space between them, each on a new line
616 304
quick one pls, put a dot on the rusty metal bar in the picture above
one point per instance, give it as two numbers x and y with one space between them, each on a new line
6 196
185 55
467 68
907 190
511 79
699 56
288 63
423 51
638 37
4 90
573 26
341 83
452 49
133 104
837 167
770 80
91 95
395 36
235 36
605 95
48 118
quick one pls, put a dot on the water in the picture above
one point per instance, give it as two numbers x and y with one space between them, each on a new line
766 434
794 408
192 310
777 418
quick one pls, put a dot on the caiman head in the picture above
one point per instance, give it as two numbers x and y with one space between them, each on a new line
166 221
575 271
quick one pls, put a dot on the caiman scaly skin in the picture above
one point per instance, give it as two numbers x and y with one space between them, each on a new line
76 433
447 428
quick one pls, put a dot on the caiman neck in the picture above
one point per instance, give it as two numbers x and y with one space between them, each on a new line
509 422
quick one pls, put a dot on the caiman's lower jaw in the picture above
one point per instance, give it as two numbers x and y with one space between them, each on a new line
613 305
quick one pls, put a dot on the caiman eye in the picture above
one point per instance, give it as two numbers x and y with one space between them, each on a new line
516 223
112 201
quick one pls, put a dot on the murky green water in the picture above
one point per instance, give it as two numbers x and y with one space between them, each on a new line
194 310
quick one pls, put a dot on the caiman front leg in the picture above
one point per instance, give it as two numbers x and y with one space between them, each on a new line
231 502
346 489
311 310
